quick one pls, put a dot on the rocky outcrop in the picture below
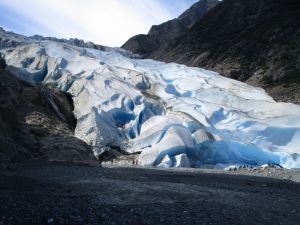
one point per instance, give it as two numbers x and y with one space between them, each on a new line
72 41
10 39
256 41
36 122
2 62
148 46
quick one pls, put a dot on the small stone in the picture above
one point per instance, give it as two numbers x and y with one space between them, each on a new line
51 220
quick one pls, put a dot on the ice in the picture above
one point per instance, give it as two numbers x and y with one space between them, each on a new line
165 163
175 115
182 160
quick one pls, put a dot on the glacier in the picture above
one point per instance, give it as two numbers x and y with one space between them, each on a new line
176 116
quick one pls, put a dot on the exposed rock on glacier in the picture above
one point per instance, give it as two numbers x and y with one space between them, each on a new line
37 122
173 114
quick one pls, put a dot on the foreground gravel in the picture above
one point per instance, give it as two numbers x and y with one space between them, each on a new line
59 193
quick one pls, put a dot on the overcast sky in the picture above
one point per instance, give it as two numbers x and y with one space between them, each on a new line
107 22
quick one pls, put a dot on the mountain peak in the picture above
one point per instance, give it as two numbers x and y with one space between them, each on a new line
160 35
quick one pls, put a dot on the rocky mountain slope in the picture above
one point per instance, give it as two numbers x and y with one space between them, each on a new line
72 41
11 39
174 115
159 36
256 41
36 122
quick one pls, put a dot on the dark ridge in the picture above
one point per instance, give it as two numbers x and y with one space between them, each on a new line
72 41
160 35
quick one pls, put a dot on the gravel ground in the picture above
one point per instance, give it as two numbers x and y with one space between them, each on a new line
60 193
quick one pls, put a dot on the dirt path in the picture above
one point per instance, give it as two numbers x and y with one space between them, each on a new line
57 193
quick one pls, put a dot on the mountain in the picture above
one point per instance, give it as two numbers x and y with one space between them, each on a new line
72 41
159 35
170 114
11 39
256 41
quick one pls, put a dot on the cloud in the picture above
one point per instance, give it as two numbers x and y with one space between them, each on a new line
107 22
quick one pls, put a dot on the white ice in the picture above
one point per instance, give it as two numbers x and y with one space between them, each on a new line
175 115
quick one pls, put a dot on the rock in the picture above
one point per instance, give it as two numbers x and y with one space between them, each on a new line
150 45
2 62
70 149
51 220
33 127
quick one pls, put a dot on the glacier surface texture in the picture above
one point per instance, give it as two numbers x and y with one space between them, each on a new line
175 115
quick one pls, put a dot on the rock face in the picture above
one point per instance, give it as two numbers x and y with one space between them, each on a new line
150 45
72 41
36 122
256 41
11 39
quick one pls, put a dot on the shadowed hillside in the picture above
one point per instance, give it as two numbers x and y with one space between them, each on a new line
159 36
37 122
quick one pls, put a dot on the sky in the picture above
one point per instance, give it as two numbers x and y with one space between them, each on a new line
106 22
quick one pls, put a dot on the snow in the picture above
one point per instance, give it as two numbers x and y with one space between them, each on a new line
175 115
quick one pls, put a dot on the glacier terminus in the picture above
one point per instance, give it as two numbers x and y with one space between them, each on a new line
176 116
